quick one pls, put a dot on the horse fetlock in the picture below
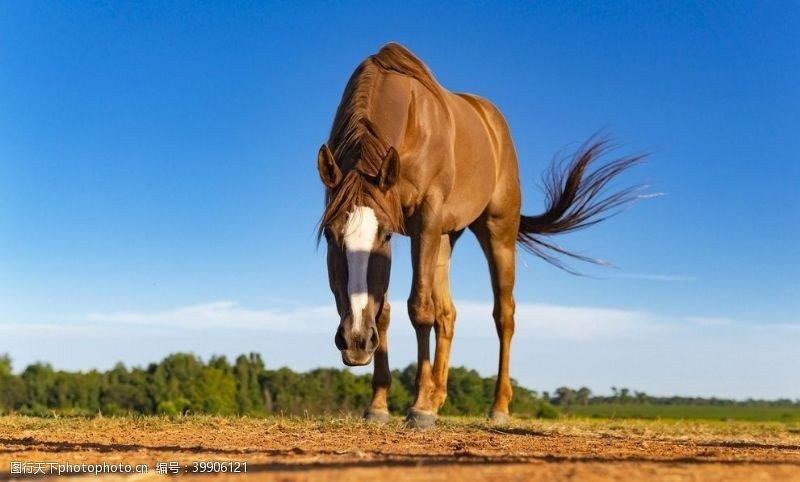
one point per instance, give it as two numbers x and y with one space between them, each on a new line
426 396
502 400
504 391
439 397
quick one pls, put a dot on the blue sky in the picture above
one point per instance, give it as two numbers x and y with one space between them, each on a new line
158 189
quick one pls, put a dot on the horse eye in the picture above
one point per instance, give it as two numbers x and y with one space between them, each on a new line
387 238
327 235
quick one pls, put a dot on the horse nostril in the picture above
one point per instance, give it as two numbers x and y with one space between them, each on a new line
340 341
374 340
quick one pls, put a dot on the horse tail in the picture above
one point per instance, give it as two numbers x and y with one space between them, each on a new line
576 199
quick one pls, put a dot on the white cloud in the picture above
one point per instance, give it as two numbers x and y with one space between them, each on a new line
655 277
772 327
558 322
710 320
534 320
593 346
224 315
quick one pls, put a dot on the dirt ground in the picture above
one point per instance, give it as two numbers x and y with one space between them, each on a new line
283 449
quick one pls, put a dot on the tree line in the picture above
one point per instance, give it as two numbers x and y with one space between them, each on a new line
565 397
183 383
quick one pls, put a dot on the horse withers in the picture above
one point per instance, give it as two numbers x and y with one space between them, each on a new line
406 156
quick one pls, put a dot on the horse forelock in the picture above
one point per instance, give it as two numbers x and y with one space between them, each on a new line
355 190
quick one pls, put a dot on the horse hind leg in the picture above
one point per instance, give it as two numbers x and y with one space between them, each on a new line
497 236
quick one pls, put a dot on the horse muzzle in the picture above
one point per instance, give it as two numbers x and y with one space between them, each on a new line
357 347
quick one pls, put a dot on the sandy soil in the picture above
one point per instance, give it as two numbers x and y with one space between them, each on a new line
469 450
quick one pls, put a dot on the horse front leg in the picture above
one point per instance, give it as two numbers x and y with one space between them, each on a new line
445 319
421 310
378 410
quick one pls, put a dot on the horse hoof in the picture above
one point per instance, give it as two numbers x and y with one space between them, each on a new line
420 419
376 416
499 418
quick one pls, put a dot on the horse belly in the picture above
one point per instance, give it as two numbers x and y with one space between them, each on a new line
473 185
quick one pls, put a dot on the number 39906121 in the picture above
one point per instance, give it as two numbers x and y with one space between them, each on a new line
219 467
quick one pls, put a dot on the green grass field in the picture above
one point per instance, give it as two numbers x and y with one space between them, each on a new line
688 412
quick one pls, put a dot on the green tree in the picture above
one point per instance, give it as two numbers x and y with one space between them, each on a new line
249 394
38 379
12 388
178 377
215 392
566 396
582 396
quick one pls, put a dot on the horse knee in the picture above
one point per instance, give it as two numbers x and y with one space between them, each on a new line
383 318
421 310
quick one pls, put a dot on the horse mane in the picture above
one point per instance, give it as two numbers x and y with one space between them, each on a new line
393 57
357 143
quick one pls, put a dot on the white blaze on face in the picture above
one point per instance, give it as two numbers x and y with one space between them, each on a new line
359 237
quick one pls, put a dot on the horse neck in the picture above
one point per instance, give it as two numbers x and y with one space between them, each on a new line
391 108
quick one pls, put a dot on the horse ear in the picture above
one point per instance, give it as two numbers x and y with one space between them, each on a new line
329 172
390 168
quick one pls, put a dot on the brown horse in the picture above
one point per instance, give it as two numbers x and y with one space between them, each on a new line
407 156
